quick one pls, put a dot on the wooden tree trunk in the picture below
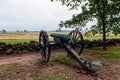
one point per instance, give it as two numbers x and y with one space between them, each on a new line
104 37
103 18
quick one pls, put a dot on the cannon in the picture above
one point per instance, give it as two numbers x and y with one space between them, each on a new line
73 43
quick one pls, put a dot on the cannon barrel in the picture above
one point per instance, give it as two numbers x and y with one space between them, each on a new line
61 37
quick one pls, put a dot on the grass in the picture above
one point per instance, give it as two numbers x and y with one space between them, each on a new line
15 41
7 75
60 59
112 53
6 67
21 37
57 76
13 70
99 37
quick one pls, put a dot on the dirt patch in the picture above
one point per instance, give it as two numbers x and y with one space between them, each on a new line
26 67
26 59
23 59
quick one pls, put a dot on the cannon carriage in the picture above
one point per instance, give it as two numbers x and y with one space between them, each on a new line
73 43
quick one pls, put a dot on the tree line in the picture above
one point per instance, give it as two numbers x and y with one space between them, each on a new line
5 31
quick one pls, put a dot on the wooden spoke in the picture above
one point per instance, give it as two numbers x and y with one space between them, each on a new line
43 42
77 42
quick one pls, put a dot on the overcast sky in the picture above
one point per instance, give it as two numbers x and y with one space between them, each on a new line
32 14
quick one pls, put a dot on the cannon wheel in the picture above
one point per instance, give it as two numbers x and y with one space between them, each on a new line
44 46
77 42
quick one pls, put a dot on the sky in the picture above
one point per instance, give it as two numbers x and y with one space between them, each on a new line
33 15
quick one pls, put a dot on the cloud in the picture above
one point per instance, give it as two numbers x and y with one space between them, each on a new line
24 14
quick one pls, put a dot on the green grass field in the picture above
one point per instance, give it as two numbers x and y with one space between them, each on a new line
100 37
13 38
15 41
112 53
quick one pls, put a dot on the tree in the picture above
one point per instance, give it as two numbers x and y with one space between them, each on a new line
25 30
3 31
106 12
17 31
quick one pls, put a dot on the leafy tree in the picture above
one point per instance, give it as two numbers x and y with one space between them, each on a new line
106 12
3 31
25 30
17 31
